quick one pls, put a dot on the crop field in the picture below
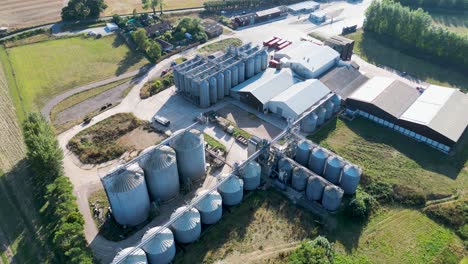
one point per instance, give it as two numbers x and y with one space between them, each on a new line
127 6
376 52
391 157
20 14
46 69
453 21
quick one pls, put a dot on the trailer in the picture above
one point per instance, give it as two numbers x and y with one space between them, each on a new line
281 42
267 42
284 45
273 43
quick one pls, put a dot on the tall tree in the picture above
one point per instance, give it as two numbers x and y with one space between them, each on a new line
150 4
82 9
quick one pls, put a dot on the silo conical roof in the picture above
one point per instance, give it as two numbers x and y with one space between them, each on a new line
128 179
137 257
232 185
352 170
188 220
188 140
211 202
319 153
334 161
161 158
252 170
159 243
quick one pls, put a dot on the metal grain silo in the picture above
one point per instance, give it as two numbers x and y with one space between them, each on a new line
336 100
161 174
303 152
213 90
241 75
187 228
333 169
264 55
193 87
251 176
250 69
204 94
330 109
309 123
128 196
317 160
315 187
210 207
176 79
231 190
161 247
350 178
258 63
286 165
137 256
190 152
220 85
299 179
320 112
234 76
227 82
332 196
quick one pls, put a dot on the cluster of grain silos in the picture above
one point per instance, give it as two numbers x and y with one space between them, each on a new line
326 109
206 80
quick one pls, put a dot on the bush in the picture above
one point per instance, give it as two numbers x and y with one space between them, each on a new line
361 206
408 196
381 191
318 251
82 9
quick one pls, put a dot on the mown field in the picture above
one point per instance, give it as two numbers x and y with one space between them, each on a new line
394 158
453 21
127 6
46 69
378 53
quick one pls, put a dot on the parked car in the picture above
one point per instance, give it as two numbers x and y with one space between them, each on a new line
161 120
164 72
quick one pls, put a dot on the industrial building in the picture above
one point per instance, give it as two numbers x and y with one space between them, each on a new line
205 80
260 16
318 17
303 7
342 45
435 115
344 80
212 28
308 60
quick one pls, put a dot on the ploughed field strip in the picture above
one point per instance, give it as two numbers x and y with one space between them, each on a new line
19 14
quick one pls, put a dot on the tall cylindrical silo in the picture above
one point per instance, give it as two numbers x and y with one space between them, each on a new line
315 187
227 82
251 176
299 179
350 178
241 74
187 228
220 85
286 165
317 159
336 100
231 191
161 248
258 63
128 196
137 256
330 109
161 174
250 69
190 152
204 94
333 169
187 80
264 55
210 207
234 76
213 90
303 152
332 196
177 79
320 112
309 123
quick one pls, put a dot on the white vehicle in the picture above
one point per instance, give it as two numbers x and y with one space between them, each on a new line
161 120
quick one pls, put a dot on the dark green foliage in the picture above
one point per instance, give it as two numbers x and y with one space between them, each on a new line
191 26
361 206
442 4
318 251
453 214
157 86
387 193
381 191
154 51
61 211
413 31
120 21
408 196
82 9
146 45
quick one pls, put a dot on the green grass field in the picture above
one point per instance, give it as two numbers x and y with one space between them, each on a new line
220 45
46 69
391 157
453 21
376 52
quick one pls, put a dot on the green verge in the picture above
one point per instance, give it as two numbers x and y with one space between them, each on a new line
214 143
378 53
220 45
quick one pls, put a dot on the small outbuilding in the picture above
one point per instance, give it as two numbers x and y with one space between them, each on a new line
212 28
111 27
165 46
318 17
303 7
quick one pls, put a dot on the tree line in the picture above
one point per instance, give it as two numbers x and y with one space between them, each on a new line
83 9
458 5
55 192
146 45
413 30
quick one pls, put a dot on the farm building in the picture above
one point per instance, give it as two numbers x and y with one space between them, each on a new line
435 115
272 13
245 20
343 81
165 46
308 60
343 45
212 28
303 7
205 80
318 17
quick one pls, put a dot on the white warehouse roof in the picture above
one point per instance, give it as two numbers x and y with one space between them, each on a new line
371 89
299 97
306 5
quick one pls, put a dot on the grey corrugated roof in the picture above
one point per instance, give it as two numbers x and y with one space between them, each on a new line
396 98
452 119
344 80
303 5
